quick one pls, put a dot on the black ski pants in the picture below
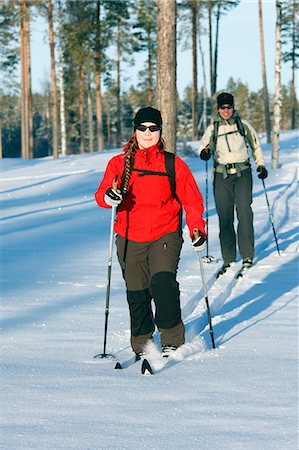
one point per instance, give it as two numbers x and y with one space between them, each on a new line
235 192
149 270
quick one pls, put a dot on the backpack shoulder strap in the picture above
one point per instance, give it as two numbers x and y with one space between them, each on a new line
242 131
240 127
170 170
215 133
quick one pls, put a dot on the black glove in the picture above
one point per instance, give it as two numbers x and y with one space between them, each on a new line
205 154
112 197
263 172
199 242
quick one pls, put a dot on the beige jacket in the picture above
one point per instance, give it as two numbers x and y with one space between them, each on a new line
231 146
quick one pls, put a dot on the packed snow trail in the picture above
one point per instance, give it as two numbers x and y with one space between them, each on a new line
244 394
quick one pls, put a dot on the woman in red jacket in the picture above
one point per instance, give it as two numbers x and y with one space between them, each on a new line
148 228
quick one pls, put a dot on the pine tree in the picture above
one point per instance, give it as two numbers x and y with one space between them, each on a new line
9 53
166 70
145 34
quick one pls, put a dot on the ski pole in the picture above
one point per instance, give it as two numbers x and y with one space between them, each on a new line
270 215
206 297
104 354
207 258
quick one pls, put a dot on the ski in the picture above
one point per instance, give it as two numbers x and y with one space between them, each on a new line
224 269
125 364
146 368
241 272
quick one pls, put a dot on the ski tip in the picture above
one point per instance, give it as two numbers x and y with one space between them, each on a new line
240 275
118 365
146 368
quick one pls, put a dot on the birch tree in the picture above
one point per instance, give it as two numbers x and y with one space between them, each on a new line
61 83
24 81
53 82
194 72
290 36
277 99
264 75
166 70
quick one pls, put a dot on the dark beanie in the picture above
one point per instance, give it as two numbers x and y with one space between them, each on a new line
225 99
148 115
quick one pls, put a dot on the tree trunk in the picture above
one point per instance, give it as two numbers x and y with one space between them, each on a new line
108 121
194 72
99 109
265 88
294 52
81 108
30 103
1 151
150 93
90 121
24 82
53 82
216 50
210 6
61 86
166 70
118 100
277 99
204 109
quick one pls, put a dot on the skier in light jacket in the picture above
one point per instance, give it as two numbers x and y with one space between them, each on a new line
228 139
148 227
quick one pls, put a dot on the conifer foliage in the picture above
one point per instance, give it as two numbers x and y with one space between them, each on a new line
98 49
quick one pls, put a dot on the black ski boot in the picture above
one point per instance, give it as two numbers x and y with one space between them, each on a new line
246 264
167 350
223 269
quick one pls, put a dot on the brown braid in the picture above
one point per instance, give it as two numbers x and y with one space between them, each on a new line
132 146
130 151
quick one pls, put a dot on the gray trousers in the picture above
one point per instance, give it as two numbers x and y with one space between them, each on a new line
149 270
235 192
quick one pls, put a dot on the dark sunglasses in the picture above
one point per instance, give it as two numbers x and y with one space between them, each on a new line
152 128
226 107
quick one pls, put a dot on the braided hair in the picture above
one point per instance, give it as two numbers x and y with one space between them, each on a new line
130 150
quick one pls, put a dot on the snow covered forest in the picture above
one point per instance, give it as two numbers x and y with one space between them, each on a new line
55 395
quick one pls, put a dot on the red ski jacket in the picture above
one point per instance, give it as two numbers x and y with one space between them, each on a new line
148 210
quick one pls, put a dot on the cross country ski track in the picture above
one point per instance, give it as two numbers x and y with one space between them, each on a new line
225 288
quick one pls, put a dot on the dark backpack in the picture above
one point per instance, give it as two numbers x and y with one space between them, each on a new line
170 171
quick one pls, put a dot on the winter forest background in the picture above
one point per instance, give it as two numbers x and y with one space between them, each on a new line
84 106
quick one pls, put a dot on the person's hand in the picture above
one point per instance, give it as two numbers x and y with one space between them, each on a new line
263 173
113 195
198 240
205 154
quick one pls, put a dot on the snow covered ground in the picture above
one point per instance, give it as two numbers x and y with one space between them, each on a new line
54 243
